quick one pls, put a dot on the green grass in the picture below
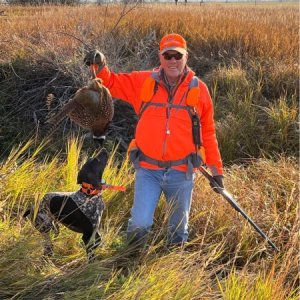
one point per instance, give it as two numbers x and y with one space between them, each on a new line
252 122
224 259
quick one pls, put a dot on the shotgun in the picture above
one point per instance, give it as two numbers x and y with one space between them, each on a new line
227 196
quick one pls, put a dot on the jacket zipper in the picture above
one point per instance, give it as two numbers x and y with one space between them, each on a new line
167 130
171 95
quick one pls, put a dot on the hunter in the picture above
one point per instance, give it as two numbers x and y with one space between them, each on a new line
175 134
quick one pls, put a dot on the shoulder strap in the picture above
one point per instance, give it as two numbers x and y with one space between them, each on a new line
196 125
192 97
145 104
194 82
155 76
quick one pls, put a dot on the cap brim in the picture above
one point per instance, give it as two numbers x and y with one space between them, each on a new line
178 49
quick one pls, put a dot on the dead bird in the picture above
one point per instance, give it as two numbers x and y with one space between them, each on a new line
91 108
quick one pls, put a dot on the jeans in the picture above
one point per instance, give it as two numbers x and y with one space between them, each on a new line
149 184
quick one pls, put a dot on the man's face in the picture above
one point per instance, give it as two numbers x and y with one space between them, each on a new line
173 63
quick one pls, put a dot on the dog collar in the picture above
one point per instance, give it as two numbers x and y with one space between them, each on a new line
89 189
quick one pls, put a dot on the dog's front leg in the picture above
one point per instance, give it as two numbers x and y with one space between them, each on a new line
88 239
48 246
95 242
91 242
98 239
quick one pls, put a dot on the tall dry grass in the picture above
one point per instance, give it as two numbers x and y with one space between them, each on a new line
225 257
248 56
261 31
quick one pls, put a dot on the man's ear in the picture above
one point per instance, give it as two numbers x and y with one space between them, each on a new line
160 56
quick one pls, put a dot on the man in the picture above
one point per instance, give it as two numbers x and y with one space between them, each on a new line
168 145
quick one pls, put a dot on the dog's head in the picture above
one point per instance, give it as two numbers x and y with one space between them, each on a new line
92 171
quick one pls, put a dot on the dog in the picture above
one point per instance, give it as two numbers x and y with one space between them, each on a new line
79 211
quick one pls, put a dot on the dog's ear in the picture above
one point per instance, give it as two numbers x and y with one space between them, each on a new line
84 171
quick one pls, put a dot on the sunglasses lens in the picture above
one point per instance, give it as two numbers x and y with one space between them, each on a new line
169 56
178 56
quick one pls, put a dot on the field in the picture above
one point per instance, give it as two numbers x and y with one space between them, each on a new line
248 56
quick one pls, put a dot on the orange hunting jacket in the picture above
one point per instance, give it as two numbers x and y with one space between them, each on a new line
161 137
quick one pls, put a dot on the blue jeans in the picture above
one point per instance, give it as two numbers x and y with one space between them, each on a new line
149 184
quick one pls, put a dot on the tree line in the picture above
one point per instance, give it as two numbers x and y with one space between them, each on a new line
76 2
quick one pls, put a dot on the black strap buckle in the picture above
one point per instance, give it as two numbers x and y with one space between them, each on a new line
164 164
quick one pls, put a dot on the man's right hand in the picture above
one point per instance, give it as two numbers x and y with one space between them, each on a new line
219 180
95 57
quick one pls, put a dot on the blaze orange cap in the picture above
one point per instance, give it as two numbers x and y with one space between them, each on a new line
173 41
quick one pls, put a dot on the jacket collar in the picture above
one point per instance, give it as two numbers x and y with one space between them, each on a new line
185 79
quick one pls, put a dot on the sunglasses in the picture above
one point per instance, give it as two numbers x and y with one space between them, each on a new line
169 56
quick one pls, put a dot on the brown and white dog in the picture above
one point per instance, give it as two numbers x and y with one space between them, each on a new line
79 211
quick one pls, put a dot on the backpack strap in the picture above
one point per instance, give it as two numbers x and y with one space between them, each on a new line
150 94
192 96
194 82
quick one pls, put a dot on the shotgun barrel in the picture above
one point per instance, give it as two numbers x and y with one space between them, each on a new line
227 196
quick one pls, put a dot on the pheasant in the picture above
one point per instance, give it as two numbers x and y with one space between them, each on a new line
91 108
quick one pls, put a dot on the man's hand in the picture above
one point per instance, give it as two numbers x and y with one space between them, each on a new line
97 58
219 180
